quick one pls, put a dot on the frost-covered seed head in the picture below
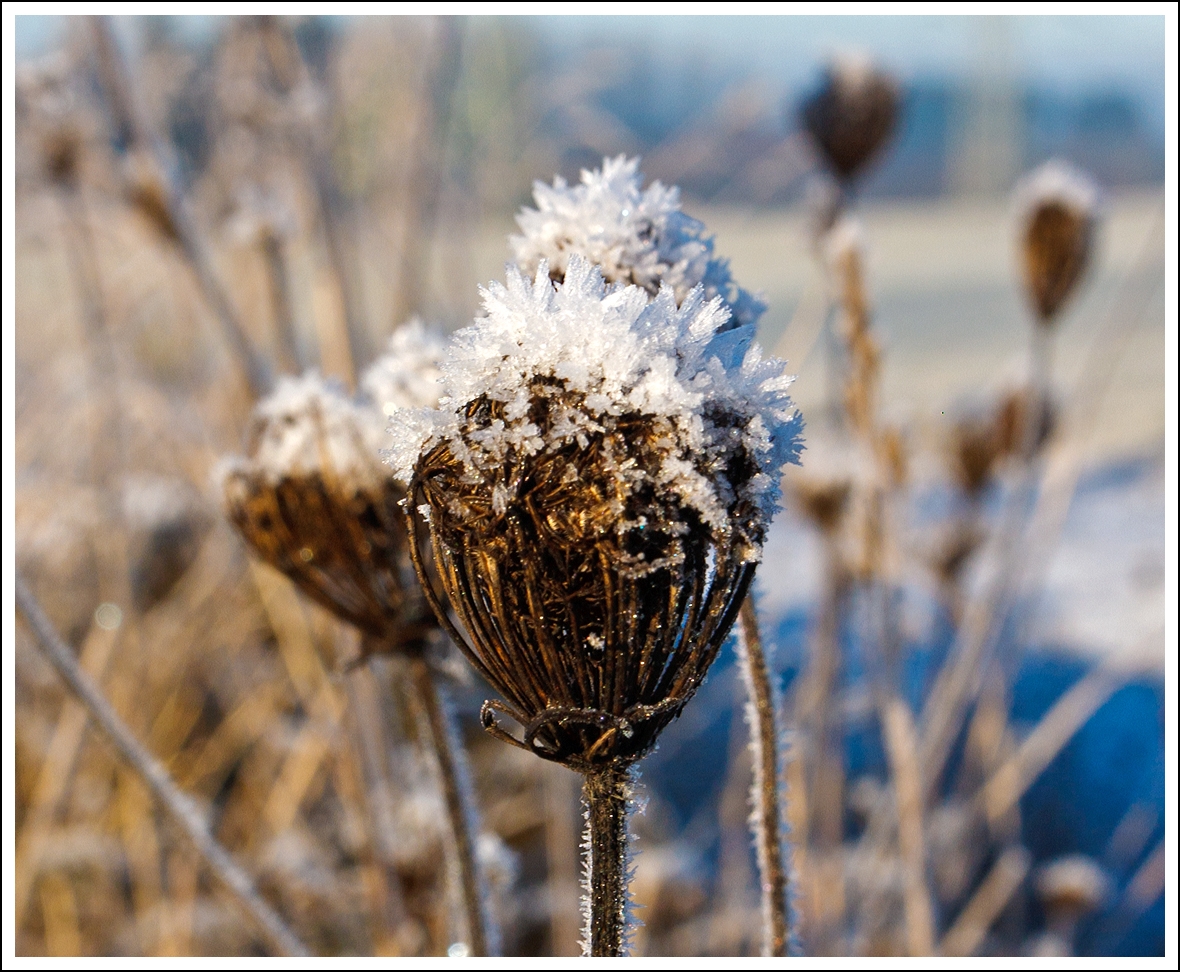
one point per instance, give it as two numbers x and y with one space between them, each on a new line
597 483
1058 209
309 425
408 374
314 501
1072 886
851 114
635 235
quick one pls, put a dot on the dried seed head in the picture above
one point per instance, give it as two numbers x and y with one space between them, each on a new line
634 235
597 485
1058 210
823 501
1072 886
1012 416
314 501
408 374
50 105
148 192
976 446
852 114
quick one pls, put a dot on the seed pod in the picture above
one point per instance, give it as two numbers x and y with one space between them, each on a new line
1071 887
314 501
1057 213
851 115
595 491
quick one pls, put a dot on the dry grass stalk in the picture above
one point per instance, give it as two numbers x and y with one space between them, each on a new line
153 192
1050 735
970 929
178 804
460 804
901 745
56 772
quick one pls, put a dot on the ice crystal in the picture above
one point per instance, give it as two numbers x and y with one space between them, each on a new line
612 352
308 424
407 375
637 236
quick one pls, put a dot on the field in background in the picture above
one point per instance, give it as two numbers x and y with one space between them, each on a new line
237 683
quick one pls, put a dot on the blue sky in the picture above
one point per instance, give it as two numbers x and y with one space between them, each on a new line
1056 49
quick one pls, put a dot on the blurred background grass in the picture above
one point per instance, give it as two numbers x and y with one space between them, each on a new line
429 134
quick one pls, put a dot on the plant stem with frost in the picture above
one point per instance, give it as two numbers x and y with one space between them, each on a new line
766 818
607 793
456 786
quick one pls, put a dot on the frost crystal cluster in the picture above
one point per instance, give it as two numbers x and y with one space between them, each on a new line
562 365
308 425
636 236
407 375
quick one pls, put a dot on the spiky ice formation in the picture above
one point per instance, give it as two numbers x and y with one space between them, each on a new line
615 352
635 235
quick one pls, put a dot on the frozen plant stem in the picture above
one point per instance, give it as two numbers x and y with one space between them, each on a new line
606 791
176 802
455 792
767 816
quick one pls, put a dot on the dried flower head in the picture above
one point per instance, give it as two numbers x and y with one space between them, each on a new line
50 105
852 114
635 236
1058 211
597 485
407 375
314 501
1072 886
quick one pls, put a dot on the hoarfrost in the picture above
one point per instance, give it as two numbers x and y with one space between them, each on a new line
309 424
407 375
613 351
637 236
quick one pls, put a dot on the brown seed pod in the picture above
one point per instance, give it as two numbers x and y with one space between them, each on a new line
1072 886
594 607
851 115
823 501
344 549
314 502
1057 217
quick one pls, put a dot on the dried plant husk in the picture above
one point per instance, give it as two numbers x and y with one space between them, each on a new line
824 502
851 115
1057 244
595 602
343 545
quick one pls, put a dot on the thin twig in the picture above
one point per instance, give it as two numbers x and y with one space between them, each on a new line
766 816
456 787
287 60
991 898
178 804
901 746
134 130
1056 728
